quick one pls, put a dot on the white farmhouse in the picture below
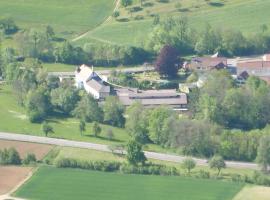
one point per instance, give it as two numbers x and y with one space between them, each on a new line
86 78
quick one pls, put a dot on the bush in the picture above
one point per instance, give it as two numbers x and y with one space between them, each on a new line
10 157
106 166
112 166
260 179
149 170
29 159
204 174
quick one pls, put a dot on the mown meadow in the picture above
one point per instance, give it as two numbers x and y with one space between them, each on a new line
80 184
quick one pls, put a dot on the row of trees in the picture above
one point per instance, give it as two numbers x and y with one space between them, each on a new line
178 33
222 102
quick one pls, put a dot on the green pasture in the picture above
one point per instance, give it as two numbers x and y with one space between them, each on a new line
69 184
67 17
244 15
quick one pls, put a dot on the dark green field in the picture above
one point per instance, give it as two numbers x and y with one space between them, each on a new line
70 184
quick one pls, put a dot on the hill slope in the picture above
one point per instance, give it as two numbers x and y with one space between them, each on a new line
67 17
244 15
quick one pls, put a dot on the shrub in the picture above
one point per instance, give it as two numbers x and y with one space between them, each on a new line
260 179
106 166
29 159
204 174
149 169
10 157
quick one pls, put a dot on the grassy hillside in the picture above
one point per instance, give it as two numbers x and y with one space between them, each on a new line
244 15
67 17
53 183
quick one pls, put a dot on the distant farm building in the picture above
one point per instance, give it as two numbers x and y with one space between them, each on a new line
86 78
206 63
153 98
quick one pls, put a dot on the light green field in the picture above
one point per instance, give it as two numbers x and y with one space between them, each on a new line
254 193
67 17
70 184
244 15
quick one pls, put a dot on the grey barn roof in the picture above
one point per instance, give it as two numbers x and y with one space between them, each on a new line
98 86
151 97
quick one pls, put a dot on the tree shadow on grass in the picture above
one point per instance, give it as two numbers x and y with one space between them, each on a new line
123 20
104 138
148 4
216 4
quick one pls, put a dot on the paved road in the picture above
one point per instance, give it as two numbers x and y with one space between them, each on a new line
107 72
105 148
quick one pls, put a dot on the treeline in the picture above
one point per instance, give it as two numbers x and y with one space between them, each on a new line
45 46
222 102
177 32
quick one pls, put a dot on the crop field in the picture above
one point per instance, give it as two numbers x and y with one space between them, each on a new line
53 183
67 17
11 176
244 15
253 192
40 150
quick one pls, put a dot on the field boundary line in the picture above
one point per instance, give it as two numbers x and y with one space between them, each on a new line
82 35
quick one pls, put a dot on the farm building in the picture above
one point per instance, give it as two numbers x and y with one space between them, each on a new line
256 68
152 98
206 63
86 78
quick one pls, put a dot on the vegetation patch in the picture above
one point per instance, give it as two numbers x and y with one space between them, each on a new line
80 184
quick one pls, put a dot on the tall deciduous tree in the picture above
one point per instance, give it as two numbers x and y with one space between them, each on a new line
37 104
217 162
263 157
82 126
46 128
88 109
113 112
188 164
126 3
135 154
96 129
137 122
157 119
65 99
167 63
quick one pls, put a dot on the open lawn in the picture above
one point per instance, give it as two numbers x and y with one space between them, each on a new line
67 17
40 150
53 183
11 176
244 15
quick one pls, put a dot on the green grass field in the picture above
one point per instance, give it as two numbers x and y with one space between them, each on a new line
53 183
14 119
244 15
67 17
